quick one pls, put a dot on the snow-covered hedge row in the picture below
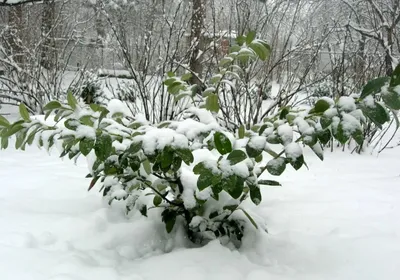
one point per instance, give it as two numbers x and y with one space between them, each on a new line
193 171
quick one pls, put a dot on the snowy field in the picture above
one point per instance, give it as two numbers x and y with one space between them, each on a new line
338 220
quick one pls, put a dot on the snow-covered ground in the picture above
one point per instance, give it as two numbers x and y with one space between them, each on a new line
338 220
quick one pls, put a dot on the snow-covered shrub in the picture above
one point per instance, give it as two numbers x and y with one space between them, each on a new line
89 88
232 90
193 171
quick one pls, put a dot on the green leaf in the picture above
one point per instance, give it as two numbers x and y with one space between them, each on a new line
222 143
24 112
93 182
135 164
377 114
176 164
134 147
317 149
169 218
143 210
358 136
395 78
250 218
87 120
341 135
325 122
236 156
212 103
52 105
297 163
241 132
167 157
146 166
285 111
205 180
86 145
31 136
374 86
392 99
252 151
199 168
276 166
324 136
255 194
269 183
262 50
176 87
186 155
233 185
4 122
4 142
169 225
250 37
157 200
103 146
14 128
72 124
321 106
71 100
186 77
96 107
240 40
20 139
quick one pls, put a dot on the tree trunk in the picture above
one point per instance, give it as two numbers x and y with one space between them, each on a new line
13 36
389 53
49 52
197 39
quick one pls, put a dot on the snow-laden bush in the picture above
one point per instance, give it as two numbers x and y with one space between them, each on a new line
193 171
89 88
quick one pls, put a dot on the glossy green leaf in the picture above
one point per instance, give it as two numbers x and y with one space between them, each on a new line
276 166
392 99
377 114
269 183
185 154
72 102
204 180
86 145
4 122
250 218
395 78
374 86
103 146
222 143
52 105
255 194
321 106
157 200
236 156
24 112
241 132
212 103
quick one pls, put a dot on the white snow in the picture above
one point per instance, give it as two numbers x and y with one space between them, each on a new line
159 138
347 104
257 142
337 220
331 112
369 102
285 131
350 124
117 106
397 89
293 151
